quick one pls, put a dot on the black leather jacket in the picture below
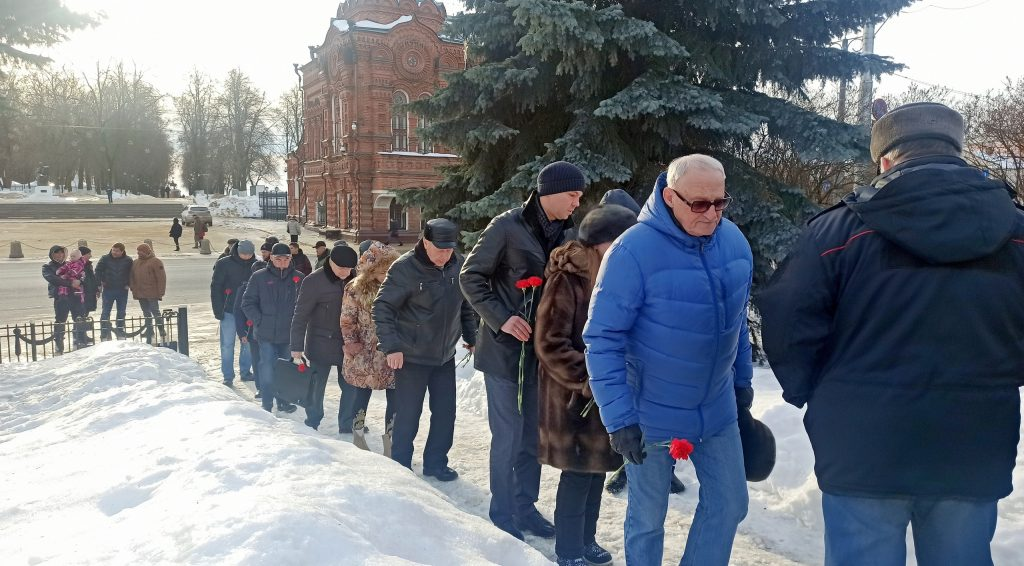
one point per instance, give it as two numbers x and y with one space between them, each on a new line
420 311
512 247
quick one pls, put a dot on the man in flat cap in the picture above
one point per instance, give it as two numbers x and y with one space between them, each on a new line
898 320
420 315
515 246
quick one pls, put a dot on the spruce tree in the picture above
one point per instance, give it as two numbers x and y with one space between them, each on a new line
622 88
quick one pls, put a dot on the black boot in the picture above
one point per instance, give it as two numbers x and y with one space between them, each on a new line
677 485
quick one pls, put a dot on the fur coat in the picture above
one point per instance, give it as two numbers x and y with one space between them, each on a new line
369 367
568 441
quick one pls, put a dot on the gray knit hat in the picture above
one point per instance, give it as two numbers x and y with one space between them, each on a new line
916 121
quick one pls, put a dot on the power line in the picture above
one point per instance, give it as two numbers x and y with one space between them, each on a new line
947 8
925 83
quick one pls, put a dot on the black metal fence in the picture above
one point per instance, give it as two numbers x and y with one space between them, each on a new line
274 205
32 341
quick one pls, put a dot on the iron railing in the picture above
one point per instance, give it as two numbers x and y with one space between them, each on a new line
33 341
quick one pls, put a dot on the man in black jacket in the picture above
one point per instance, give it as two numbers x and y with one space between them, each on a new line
898 320
316 327
513 247
61 303
420 315
269 302
229 273
113 271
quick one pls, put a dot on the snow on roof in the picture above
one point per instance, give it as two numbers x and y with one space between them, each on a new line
343 25
417 154
123 453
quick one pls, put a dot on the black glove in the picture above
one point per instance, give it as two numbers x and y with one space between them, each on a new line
629 442
744 397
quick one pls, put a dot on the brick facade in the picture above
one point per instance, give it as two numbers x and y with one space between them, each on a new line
357 151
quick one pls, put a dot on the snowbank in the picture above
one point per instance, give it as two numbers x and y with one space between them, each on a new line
127 454
235 207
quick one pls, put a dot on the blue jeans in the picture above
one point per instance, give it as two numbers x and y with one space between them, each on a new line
269 353
228 337
950 532
721 504
110 297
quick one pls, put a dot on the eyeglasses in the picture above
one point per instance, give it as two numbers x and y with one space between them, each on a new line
702 206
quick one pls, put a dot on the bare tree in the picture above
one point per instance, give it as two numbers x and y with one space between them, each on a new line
997 133
245 116
196 117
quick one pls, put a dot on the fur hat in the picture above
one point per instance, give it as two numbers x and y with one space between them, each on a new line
377 258
560 177
605 223
916 121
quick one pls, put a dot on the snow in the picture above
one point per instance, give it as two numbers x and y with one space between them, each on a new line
343 25
233 206
97 449
129 454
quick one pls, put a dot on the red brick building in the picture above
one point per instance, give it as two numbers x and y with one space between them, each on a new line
358 148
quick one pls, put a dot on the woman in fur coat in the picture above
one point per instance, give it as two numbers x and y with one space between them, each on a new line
576 444
365 367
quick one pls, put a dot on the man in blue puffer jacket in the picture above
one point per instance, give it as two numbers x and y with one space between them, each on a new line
669 357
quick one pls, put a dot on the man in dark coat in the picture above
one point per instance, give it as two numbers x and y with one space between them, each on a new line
61 303
300 260
322 254
898 321
316 326
114 272
269 302
228 275
516 246
90 282
420 314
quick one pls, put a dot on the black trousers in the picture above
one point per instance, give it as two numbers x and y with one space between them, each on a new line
514 468
412 382
577 506
254 352
315 410
61 310
176 246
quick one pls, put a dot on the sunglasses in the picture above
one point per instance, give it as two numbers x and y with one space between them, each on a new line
702 206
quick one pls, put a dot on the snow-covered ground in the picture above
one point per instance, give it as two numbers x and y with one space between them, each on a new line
84 196
237 207
138 456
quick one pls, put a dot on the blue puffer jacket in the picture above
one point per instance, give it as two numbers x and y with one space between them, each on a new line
667 334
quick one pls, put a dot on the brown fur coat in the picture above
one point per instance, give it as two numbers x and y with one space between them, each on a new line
568 441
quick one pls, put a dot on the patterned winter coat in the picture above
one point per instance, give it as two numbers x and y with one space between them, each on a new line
568 441
369 367
72 271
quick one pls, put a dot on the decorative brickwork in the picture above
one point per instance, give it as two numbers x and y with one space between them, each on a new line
357 148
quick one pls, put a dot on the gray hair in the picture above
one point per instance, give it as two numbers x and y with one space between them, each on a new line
681 165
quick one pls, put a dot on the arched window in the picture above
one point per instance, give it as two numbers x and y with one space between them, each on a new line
397 220
426 146
399 122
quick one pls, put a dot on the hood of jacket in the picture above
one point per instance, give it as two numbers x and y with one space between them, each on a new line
938 209
658 215
145 252
571 257
54 249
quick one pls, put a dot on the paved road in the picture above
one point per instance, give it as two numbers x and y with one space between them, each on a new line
23 292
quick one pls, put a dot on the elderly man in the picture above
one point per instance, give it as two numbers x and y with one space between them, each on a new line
229 273
669 358
898 321
516 246
420 314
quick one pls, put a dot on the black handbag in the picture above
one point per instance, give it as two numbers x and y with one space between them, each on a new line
293 383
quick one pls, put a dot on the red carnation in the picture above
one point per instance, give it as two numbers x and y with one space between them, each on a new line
248 323
295 279
302 368
523 284
680 449
535 281
227 291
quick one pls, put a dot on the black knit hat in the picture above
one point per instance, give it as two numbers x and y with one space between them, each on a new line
267 247
605 223
560 177
84 250
344 256
916 121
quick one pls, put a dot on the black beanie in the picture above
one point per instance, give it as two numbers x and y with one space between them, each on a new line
344 256
560 177
268 247
84 250
604 224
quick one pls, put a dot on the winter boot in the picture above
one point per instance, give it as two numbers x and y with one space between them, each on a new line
358 436
677 485
595 555
386 437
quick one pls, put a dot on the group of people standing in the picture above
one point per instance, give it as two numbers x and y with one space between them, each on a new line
603 344
75 286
